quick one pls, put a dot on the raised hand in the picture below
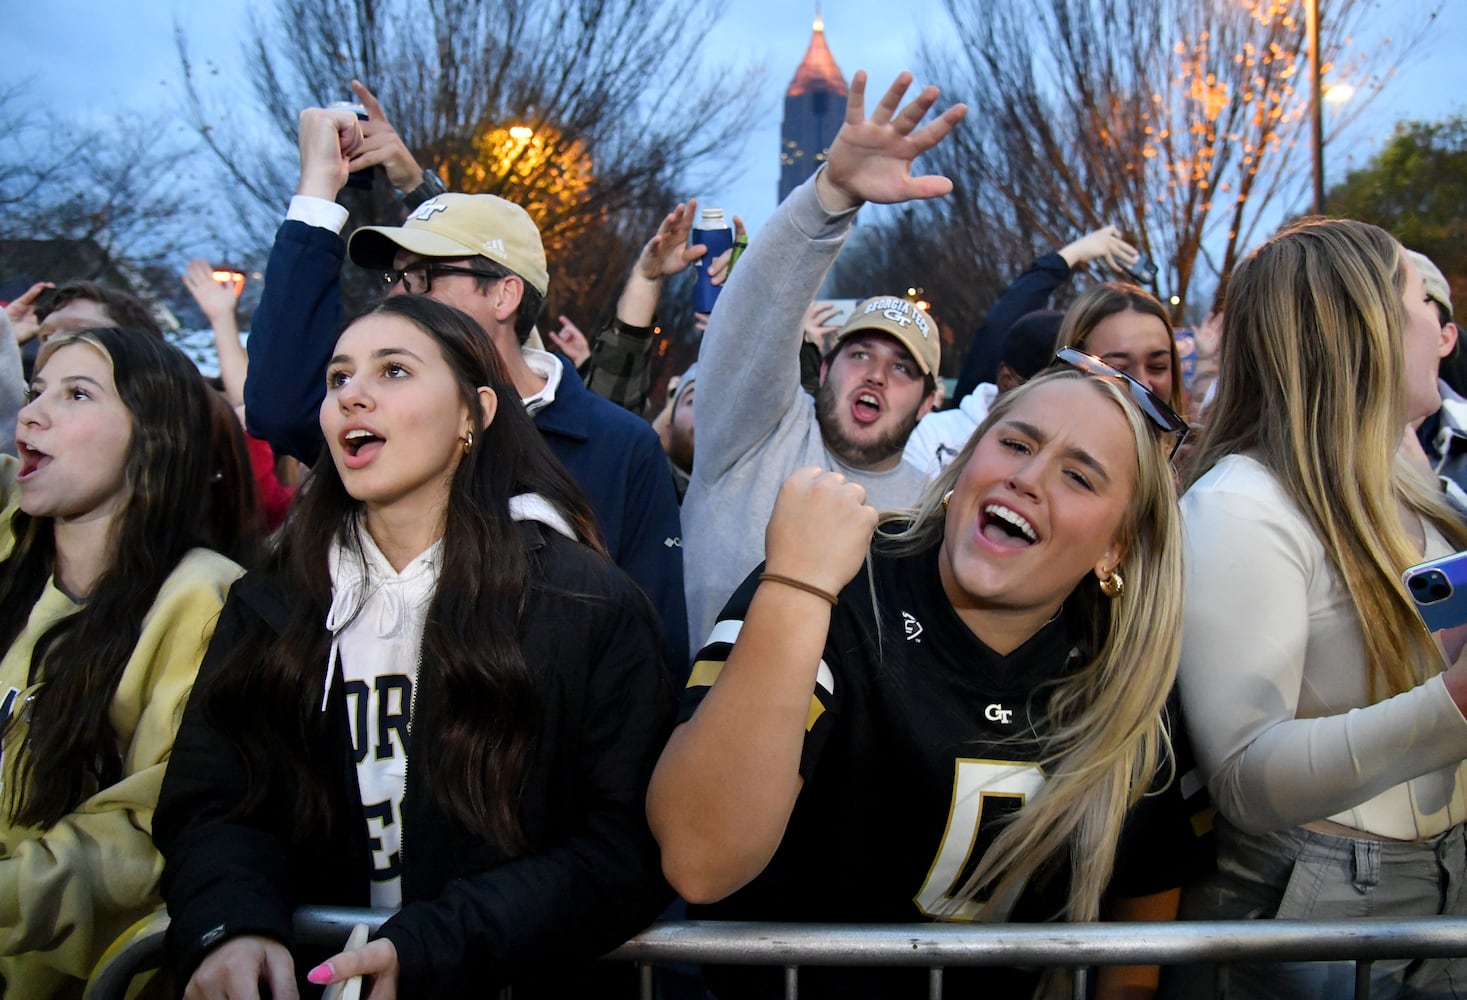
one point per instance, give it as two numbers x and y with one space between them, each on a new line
667 252
571 341
871 158
820 529
1209 337
381 145
720 267
21 311
1103 244
215 299
816 329
328 139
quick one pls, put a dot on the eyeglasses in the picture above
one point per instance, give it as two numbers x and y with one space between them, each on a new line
1156 409
417 279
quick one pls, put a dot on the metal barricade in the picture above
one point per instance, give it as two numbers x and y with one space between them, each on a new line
936 946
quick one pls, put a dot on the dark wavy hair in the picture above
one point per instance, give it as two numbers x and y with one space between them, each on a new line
485 700
72 747
233 516
126 310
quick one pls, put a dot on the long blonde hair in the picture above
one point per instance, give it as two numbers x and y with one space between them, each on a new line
1107 737
1312 384
1109 299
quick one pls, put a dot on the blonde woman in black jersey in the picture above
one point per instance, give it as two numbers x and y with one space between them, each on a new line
988 697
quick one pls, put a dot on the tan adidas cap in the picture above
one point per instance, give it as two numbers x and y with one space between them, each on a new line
459 225
900 319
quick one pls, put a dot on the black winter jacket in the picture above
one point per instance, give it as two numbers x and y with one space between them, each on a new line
473 917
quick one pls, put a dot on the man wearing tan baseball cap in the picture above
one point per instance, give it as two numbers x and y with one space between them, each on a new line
755 423
482 255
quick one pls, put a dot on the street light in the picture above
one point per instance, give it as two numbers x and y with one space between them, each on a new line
1316 108
230 278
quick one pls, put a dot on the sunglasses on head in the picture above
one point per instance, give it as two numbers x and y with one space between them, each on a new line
1156 409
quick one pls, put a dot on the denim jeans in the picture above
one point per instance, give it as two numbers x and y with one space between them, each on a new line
1299 874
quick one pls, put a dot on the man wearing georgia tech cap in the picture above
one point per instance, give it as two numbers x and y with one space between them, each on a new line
482 255
756 425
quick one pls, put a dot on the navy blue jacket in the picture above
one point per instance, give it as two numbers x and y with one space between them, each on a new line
1026 293
612 454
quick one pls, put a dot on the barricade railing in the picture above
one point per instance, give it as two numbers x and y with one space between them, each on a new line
936 946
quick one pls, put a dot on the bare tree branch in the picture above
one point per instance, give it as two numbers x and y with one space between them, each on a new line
589 113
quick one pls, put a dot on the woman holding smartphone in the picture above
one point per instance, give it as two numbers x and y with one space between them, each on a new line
439 699
1326 720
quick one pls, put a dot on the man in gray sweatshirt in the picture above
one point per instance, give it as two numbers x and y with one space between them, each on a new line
755 424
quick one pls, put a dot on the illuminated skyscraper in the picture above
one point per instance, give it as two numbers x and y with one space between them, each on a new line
814 107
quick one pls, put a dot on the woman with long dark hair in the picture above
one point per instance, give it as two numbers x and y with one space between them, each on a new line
107 600
440 698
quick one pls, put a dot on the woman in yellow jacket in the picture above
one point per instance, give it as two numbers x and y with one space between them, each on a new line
107 602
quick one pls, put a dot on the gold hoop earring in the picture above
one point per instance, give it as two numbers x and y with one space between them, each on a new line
945 498
1112 584
468 440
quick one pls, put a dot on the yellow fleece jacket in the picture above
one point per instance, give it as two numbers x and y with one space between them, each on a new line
67 892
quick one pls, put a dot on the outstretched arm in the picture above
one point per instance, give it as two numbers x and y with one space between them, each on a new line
619 357
295 324
748 365
871 158
666 254
217 301
1030 291
1105 245
22 311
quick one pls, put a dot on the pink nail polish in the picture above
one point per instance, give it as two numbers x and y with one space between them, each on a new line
320 975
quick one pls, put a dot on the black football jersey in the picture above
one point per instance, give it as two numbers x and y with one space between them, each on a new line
919 737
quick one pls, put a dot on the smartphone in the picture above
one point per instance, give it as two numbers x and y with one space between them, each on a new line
1144 270
1439 589
843 310
360 179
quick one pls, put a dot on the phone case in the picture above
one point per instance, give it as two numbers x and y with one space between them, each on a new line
1439 589
1144 270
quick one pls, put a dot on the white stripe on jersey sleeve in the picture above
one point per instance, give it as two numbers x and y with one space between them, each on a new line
728 631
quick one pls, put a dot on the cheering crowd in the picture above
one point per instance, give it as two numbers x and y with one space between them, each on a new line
1104 639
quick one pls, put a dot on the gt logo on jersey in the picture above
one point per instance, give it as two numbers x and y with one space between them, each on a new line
913 627
997 713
